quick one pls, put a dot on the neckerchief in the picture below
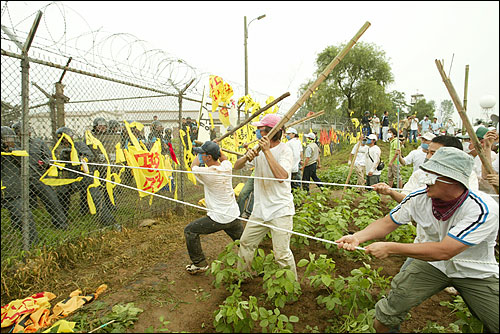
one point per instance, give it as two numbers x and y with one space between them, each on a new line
443 210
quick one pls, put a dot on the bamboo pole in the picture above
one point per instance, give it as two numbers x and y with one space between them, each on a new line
232 152
352 167
319 113
470 130
255 114
316 83
466 88
302 120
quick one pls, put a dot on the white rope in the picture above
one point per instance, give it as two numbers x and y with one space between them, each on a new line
229 175
241 176
237 217
206 209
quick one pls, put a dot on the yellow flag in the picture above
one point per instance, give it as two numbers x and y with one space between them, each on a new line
188 156
149 180
216 88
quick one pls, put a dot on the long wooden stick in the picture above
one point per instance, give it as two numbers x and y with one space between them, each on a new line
352 167
316 83
465 120
307 118
232 152
466 88
249 119
302 120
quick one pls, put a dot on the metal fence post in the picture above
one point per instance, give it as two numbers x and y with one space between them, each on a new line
25 132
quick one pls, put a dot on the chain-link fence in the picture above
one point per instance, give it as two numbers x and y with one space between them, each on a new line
74 121
78 116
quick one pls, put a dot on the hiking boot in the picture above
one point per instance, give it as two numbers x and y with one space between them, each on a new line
194 269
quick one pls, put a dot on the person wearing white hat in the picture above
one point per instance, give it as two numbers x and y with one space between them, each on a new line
372 161
296 146
457 237
311 161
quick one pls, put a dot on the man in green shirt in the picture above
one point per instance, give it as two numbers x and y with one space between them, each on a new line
393 167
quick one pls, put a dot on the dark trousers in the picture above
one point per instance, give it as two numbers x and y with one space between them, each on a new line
246 193
296 176
310 172
371 180
15 206
206 225
99 196
48 197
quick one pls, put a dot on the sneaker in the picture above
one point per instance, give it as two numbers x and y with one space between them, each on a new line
194 269
451 290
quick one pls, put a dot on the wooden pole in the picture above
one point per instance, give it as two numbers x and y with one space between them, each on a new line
352 167
470 130
466 88
316 83
302 120
255 114
232 152
319 113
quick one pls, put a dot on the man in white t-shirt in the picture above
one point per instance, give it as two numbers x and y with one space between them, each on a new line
273 200
417 157
413 128
372 160
458 236
376 125
296 146
359 160
223 211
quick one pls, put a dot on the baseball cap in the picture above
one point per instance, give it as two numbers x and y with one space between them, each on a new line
463 136
372 136
428 136
209 147
291 130
269 120
481 131
450 162
310 135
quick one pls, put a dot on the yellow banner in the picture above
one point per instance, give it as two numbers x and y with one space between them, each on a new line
149 180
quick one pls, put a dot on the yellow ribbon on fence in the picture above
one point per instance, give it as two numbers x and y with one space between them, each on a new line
17 153
53 172
90 200
96 143
188 156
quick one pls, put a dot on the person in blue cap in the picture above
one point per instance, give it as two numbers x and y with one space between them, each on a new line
223 211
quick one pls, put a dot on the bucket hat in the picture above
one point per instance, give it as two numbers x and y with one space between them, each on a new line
450 162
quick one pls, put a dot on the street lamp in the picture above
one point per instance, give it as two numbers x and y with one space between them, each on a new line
246 53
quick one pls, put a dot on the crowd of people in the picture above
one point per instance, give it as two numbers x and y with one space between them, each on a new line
409 127
457 222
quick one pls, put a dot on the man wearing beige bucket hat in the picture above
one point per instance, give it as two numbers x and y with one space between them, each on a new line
458 236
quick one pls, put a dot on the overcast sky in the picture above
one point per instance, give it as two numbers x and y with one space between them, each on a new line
283 46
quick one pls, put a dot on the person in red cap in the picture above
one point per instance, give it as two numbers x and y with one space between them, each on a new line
273 200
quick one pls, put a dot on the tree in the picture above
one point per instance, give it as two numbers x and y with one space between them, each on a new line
422 108
356 84
446 110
